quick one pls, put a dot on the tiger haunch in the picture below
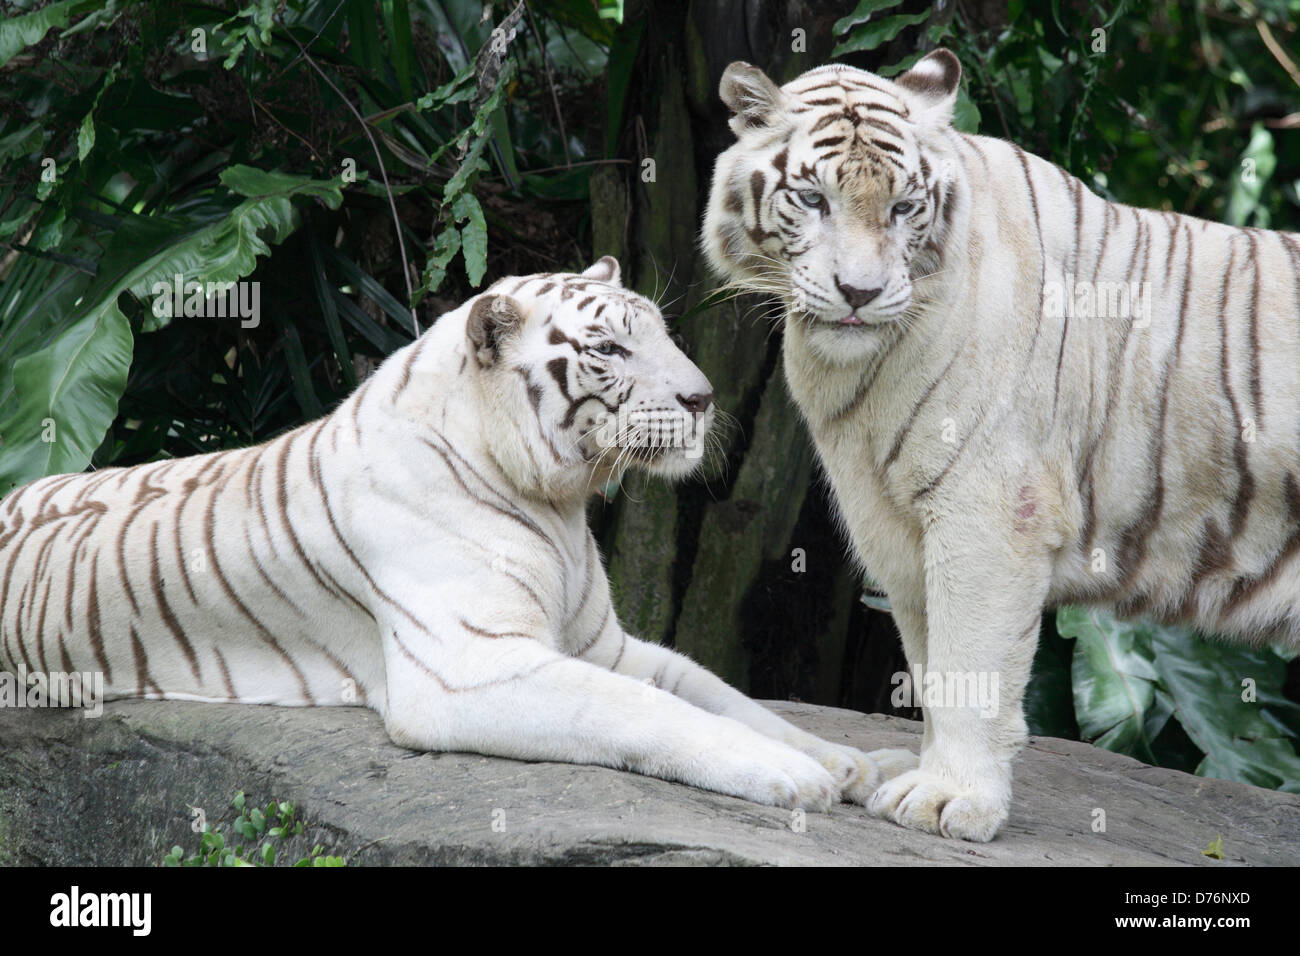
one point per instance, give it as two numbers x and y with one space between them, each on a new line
423 551
1023 395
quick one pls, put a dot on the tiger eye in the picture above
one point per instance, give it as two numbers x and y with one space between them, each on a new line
812 198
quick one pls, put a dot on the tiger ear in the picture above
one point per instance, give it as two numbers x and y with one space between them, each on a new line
605 269
754 100
933 82
492 319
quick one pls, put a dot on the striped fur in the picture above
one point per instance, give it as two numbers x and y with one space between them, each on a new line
991 453
422 551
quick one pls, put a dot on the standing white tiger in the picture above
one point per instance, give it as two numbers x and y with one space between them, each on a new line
996 443
423 551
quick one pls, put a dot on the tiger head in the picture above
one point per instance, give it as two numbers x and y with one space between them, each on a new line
836 194
589 376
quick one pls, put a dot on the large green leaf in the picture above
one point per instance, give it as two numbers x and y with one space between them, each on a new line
1247 740
227 249
1258 162
864 11
877 32
69 392
1114 681
76 381
18 33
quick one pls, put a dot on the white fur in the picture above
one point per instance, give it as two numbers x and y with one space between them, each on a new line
984 451
425 553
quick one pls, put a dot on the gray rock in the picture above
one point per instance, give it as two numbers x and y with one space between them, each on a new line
118 790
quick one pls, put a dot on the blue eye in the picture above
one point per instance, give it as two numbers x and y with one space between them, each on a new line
812 198
902 208
609 348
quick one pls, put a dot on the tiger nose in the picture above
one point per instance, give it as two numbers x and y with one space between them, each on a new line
696 403
856 298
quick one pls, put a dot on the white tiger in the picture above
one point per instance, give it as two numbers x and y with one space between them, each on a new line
997 442
422 551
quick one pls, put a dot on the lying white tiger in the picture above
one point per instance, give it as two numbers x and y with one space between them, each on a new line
996 443
422 551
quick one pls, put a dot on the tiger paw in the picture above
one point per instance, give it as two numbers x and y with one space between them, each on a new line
767 771
923 800
858 774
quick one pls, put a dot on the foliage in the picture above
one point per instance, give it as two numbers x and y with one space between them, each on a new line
371 162
143 140
1167 106
264 831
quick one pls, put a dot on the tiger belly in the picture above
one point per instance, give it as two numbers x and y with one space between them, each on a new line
1190 489
187 579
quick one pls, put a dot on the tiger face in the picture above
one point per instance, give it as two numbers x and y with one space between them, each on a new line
592 366
836 195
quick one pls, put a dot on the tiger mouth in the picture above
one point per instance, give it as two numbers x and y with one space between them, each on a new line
852 324
849 323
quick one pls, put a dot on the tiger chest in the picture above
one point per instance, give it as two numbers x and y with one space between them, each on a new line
885 537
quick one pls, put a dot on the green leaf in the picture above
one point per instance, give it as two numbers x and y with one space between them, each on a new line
268 854
1215 849
965 114
903 65
397 25
75 382
86 137
68 394
473 236
330 313
1253 172
238 802
86 134
445 247
1113 679
1244 740
372 289
22 142
18 33
861 14
363 30
622 63
305 393
456 90
877 33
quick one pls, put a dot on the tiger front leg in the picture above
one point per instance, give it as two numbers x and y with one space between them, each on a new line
515 697
984 598
857 774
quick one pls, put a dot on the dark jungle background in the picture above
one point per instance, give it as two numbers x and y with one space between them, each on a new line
374 162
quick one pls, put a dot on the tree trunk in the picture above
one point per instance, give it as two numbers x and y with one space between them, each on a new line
742 568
